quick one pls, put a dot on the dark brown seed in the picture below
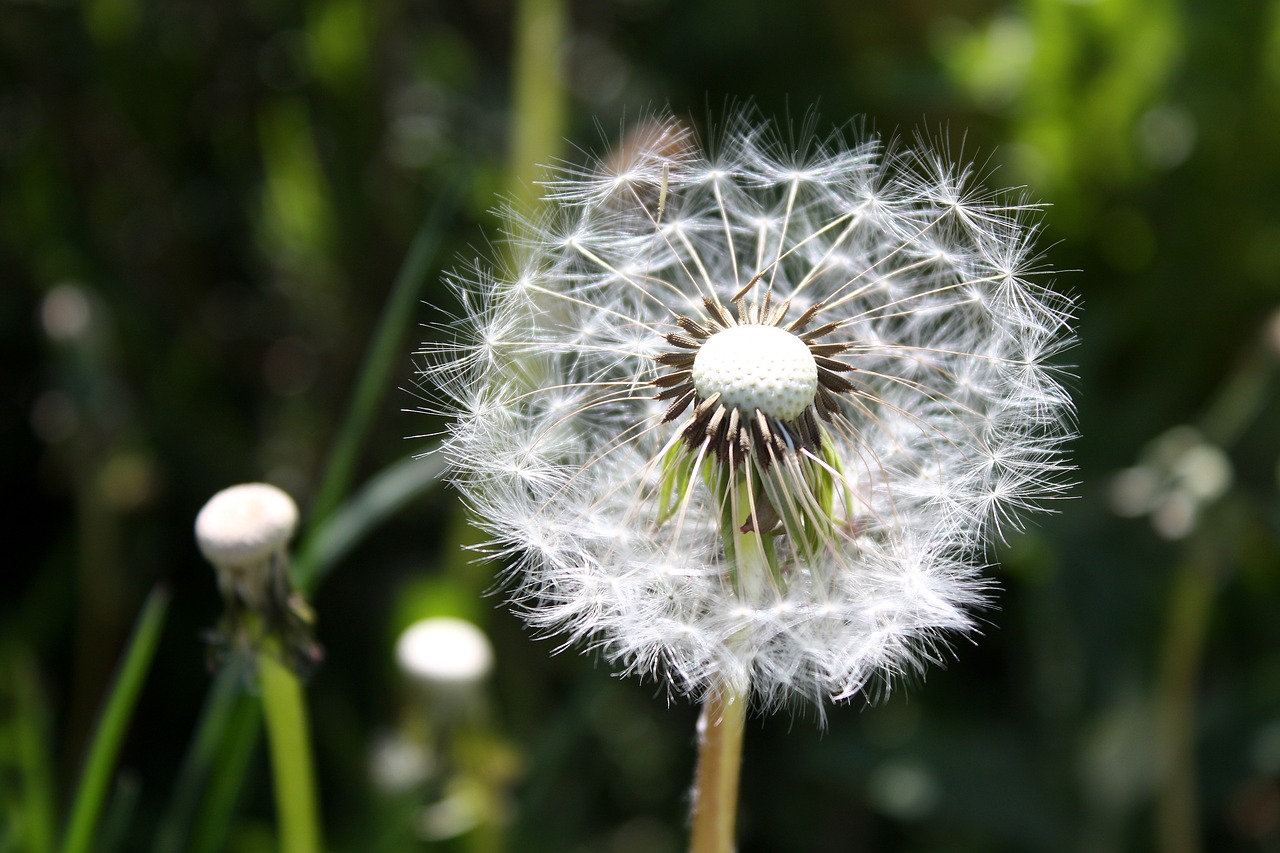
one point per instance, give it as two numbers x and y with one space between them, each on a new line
833 365
780 444
741 294
683 341
775 319
824 403
828 349
834 382
679 377
719 440
708 404
809 337
682 402
692 327
695 430
804 319
810 430
675 359
735 427
768 438
672 392
716 313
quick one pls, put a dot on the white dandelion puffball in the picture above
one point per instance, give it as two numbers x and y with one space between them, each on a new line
444 651
243 531
749 414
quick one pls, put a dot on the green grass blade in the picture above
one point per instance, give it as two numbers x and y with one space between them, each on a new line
380 498
119 815
226 778
386 351
26 766
105 746
198 766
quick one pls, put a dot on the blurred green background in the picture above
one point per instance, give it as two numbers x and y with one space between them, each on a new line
204 207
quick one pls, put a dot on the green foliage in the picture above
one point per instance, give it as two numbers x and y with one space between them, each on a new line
83 828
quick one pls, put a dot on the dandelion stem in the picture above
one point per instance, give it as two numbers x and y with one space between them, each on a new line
724 712
715 793
540 100
286 714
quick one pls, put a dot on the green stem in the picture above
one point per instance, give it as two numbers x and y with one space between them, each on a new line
287 732
105 746
752 565
715 793
540 101
24 750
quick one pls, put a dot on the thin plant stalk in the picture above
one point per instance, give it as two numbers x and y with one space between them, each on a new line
113 831
95 779
724 712
540 101
1190 609
285 710
24 738
715 794
211 825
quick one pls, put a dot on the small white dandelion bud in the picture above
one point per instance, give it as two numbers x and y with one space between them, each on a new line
448 661
444 652
242 530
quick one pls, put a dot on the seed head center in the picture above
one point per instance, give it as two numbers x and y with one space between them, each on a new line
757 367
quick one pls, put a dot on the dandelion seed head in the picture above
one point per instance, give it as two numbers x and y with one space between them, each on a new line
757 367
751 411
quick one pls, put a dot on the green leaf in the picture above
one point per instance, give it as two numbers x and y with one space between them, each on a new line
105 746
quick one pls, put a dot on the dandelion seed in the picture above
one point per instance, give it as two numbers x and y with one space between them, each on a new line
747 415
